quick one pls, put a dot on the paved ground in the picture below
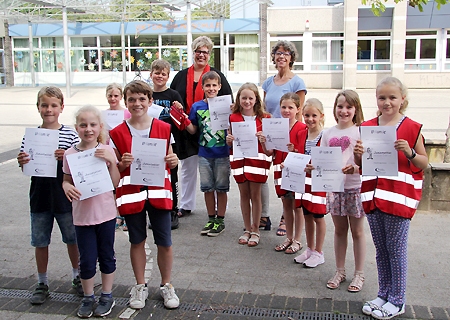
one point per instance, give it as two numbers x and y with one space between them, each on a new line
215 277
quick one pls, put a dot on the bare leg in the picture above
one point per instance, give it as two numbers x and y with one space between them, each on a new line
138 260
244 191
321 229
359 242
222 198
41 256
340 240
74 255
165 261
310 229
288 208
88 286
255 194
299 222
210 202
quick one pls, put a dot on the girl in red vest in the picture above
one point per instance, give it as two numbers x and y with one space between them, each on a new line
290 107
312 203
390 202
250 173
346 207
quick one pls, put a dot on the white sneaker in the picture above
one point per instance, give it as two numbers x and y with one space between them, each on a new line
304 256
138 295
314 260
171 300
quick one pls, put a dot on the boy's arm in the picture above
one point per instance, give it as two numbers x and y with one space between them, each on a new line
23 158
191 128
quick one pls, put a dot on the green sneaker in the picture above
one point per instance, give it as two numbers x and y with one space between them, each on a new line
218 228
208 226
40 294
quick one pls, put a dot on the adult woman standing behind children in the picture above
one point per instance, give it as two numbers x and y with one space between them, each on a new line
283 55
389 220
188 84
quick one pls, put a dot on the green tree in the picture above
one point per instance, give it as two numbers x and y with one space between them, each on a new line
378 5
211 10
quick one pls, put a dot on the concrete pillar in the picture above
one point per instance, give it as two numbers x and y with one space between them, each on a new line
349 80
263 58
398 40
7 54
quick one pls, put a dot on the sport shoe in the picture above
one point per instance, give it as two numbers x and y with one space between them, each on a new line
171 300
208 226
76 284
87 305
303 257
138 295
218 228
174 223
105 305
314 260
40 294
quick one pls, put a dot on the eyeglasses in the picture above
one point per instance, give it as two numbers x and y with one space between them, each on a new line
279 54
199 52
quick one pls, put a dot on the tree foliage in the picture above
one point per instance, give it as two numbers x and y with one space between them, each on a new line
378 5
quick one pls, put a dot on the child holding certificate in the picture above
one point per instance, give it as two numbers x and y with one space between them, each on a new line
249 172
290 107
47 200
94 218
136 202
313 210
346 207
390 202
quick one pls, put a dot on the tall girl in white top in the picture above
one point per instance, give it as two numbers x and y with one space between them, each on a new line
94 218
346 207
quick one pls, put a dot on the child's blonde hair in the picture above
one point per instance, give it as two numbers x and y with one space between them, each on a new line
50 91
352 99
393 81
112 86
295 99
258 108
315 103
90 108
159 65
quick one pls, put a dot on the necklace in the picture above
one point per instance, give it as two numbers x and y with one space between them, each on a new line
79 150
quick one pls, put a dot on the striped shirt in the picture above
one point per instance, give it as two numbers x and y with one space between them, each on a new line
312 143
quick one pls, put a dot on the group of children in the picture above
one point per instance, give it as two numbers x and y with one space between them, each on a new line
88 226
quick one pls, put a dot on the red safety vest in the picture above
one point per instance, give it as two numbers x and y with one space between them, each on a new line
279 157
254 169
399 195
131 198
314 202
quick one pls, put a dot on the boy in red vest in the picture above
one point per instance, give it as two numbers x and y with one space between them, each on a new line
135 202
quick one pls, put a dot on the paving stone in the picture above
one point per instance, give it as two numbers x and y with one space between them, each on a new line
69 309
263 301
52 306
248 300
204 297
121 291
408 313
293 303
219 297
26 284
3 301
309 304
324 305
278 302
234 298
438 313
340 306
422 312
4 281
355 307
191 295
15 303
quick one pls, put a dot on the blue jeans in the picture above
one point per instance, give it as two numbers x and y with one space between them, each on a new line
42 226
214 174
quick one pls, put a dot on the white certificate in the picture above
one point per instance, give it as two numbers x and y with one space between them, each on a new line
327 175
276 131
41 145
219 112
245 143
380 157
113 118
293 174
89 174
148 167
154 111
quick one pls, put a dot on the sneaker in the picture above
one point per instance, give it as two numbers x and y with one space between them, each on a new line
208 226
76 284
388 311
314 260
138 295
303 257
218 228
174 223
171 300
105 305
40 294
86 308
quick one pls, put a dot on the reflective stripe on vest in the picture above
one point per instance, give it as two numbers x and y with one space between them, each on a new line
126 180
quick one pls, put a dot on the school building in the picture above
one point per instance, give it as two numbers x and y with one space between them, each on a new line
340 44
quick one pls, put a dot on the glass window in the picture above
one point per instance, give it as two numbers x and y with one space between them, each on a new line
177 57
428 49
382 50
23 43
364 49
83 42
410 50
144 40
111 60
52 43
319 53
243 54
421 50
111 41
374 51
243 39
173 40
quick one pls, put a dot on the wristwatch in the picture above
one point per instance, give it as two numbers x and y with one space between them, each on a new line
413 154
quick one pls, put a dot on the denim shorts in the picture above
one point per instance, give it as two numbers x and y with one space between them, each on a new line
42 226
214 174
161 224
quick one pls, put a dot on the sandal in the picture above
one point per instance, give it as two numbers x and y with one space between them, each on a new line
283 246
294 247
183 213
281 231
254 239
244 238
265 223
357 283
338 277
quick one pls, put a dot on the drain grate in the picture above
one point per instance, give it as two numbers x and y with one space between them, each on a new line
55 296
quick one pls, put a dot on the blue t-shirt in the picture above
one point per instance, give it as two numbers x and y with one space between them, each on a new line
275 92
211 144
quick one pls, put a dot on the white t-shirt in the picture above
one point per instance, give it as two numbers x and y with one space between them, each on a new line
346 139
